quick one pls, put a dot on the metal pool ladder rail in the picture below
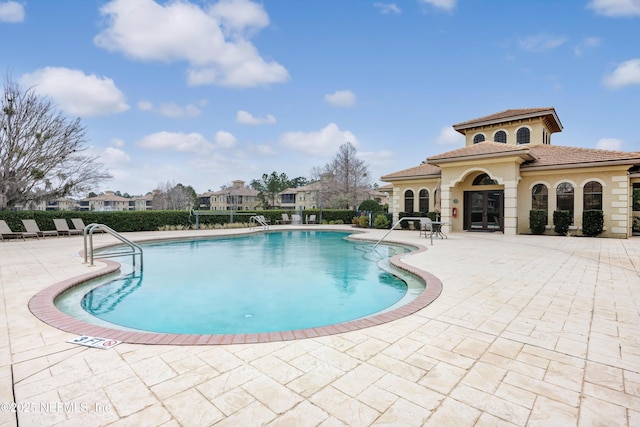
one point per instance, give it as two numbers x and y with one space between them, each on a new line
89 254
260 220
406 218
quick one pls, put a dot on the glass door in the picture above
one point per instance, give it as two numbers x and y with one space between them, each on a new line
494 210
484 210
476 212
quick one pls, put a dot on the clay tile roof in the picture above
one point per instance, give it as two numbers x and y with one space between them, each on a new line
108 197
416 171
512 114
481 149
235 191
555 155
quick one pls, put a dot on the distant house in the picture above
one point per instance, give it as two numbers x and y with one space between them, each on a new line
61 204
141 203
300 198
508 167
237 197
308 196
105 202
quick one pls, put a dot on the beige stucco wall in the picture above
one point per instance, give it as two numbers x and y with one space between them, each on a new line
536 126
396 202
616 196
458 178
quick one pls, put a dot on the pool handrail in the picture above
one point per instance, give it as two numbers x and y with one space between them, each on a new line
134 249
260 219
408 218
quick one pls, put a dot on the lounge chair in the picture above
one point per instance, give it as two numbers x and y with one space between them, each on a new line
78 224
285 219
266 220
5 231
311 219
296 219
426 227
32 227
63 228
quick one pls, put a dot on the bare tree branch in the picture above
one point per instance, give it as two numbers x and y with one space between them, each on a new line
350 181
42 152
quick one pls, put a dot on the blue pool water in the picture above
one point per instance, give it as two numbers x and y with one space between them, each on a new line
263 282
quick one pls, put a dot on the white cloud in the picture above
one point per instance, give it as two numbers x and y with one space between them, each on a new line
447 5
170 109
145 105
449 136
265 149
11 11
321 144
386 8
116 142
225 139
115 158
341 98
246 118
174 141
615 7
77 93
377 158
239 16
610 144
627 73
212 42
173 110
541 42
587 43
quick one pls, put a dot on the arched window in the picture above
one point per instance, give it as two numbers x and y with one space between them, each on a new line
564 198
484 179
478 138
523 136
592 196
408 201
423 201
500 136
540 197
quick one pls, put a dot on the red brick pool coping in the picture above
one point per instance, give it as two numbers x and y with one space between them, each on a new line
42 306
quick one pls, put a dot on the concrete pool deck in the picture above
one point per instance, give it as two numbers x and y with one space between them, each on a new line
528 330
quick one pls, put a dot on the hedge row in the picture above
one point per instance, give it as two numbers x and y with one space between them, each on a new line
124 221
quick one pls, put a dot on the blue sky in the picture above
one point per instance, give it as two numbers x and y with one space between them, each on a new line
205 92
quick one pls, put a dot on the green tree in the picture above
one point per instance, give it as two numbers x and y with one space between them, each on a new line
270 186
298 182
42 152
370 206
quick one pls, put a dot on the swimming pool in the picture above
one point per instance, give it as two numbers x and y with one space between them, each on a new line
258 283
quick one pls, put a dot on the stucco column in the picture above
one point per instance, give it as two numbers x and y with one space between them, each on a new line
620 205
445 208
510 208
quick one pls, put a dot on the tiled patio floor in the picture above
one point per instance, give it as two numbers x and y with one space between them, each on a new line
528 330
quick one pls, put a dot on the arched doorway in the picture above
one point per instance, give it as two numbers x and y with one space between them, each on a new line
484 209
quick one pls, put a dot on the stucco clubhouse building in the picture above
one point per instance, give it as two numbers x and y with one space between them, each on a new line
508 167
